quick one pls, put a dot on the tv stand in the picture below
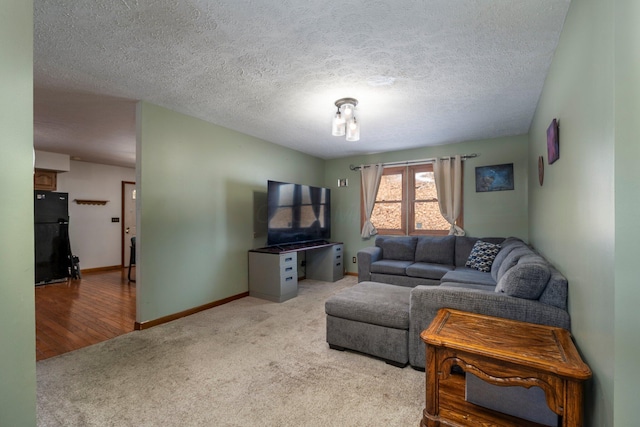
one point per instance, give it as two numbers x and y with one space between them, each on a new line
273 270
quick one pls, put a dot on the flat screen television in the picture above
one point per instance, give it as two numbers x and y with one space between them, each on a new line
297 213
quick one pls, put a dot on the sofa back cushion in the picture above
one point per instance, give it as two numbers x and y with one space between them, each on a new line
397 248
511 259
502 255
464 244
509 244
525 280
435 249
556 291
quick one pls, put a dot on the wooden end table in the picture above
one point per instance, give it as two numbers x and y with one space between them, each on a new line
501 352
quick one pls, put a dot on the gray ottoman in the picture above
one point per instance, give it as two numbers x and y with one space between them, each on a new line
371 318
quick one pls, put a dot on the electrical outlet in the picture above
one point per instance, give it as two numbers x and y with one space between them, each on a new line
353 260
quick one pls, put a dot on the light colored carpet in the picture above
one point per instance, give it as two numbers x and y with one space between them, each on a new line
249 362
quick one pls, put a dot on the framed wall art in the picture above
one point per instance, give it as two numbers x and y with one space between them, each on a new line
553 142
494 178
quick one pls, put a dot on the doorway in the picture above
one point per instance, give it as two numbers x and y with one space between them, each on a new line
128 220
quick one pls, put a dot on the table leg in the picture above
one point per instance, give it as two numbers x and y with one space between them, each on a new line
573 404
432 386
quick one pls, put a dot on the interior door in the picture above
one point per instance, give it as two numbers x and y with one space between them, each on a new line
128 219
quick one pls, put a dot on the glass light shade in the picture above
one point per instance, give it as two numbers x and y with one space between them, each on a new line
338 127
353 130
347 111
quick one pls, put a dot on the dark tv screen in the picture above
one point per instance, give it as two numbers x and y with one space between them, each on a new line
297 213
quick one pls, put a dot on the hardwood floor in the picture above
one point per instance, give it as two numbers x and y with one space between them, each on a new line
79 313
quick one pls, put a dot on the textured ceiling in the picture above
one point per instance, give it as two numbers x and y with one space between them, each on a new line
425 72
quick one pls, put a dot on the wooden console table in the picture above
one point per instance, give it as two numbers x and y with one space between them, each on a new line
501 352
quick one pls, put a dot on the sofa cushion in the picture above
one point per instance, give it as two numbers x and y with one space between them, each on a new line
435 249
506 247
397 248
428 271
532 258
525 280
512 259
375 303
468 275
482 256
390 266
555 293
512 241
474 286
406 281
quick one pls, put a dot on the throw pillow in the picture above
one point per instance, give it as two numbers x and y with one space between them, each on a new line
482 256
525 280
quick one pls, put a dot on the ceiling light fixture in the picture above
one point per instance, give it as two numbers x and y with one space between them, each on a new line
344 122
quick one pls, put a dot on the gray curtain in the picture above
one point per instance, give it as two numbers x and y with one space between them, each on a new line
448 177
370 183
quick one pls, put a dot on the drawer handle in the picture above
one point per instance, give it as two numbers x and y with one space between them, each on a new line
288 279
338 257
288 259
338 249
288 269
338 265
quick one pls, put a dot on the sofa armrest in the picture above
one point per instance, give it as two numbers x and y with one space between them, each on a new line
427 300
365 257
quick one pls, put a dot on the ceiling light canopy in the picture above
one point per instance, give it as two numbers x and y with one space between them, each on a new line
344 122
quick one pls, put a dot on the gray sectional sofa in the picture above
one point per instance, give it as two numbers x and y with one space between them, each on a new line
424 260
404 281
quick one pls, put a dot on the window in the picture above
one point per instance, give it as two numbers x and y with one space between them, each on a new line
407 203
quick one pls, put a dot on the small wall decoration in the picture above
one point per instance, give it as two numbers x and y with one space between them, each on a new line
90 202
494 178
541 169
343 182
553 142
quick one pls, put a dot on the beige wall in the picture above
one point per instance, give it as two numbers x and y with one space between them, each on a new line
94 238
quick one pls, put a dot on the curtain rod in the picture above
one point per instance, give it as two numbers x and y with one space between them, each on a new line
415 162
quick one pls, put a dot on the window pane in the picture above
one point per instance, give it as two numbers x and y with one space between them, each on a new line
308 217
425 186
387 216
283 218
305 195
428 217
285 194
390 188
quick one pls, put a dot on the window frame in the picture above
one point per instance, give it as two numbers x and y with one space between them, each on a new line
408 203
402 170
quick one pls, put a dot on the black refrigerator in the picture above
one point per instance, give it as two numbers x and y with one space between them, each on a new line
52 248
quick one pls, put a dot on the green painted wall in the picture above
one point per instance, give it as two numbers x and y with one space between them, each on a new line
627 205
196 220
17 317
572 217
500 213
